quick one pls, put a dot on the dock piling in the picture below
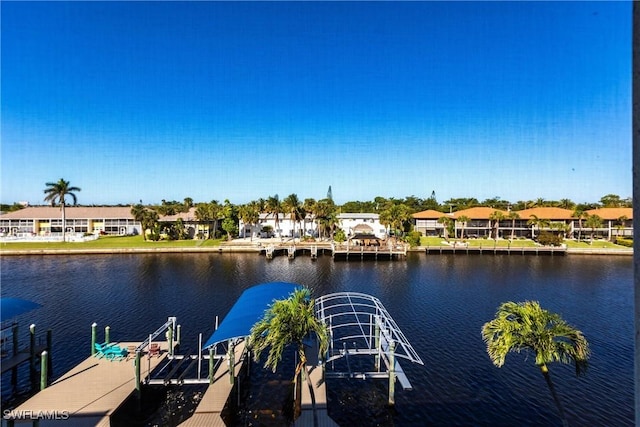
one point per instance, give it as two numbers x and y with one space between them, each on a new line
44 357
14 371
94 325
107 334
49 344
32 355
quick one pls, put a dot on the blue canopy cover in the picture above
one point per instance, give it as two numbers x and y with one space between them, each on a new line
12 307
248 310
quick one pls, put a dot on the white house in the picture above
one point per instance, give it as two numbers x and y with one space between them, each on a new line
365 223
267 227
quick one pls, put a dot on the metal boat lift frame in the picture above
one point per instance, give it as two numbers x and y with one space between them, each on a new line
359 325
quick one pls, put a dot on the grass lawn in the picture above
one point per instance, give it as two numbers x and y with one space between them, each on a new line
110 242
597 244
485 243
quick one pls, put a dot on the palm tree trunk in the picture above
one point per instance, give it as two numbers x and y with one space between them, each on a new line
64 222
556 399
513 229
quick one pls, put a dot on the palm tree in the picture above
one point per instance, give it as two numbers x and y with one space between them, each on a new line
56 193
464 220
292 206
513 216
580 214
273 207
285 322
447 223
538 223
593 222
496 216
527 327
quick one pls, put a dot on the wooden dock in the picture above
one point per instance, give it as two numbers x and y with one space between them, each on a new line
314 401
389 252
496 250
208 412
89 393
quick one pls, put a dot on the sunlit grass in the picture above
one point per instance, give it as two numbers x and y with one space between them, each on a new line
597 244
110 242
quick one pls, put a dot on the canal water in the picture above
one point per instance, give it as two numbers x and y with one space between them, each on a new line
439 301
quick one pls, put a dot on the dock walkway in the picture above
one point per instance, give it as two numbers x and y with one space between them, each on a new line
208 412
314 401
89 393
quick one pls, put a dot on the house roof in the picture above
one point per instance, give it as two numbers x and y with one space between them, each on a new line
430 214
71 212
185 216
480 212
363 228
546 213
612 213
365 215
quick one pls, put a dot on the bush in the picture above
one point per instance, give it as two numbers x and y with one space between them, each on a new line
549 239
339 236
413 238
624 242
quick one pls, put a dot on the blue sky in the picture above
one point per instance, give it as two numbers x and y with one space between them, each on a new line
235 100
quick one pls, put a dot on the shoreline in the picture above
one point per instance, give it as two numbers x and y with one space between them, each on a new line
245 249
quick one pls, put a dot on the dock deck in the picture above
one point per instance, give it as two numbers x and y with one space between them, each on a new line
208 412
314 401
89 393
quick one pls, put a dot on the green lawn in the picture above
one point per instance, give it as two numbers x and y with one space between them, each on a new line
517 243
110 242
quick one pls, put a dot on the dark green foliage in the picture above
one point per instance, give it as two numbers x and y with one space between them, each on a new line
413 238
549 239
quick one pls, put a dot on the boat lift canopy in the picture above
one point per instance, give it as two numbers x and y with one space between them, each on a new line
248 310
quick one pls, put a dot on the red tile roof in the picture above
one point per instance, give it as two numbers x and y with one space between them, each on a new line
547 213
71 212
430 214
612 213
479 212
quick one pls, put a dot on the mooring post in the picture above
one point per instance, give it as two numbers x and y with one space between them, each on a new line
178 334
137 369
170 339
32 355
94 325
107 334
211 360
392 373
232 362
43 369
49 344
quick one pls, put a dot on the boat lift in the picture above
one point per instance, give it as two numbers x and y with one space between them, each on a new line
359 325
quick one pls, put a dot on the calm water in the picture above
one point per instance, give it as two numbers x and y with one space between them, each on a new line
439 302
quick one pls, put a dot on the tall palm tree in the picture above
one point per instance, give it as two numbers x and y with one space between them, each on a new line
292 206
447 223
464 220
496 216
56 193
513 216
580 214
285 322
593 222
538 223
527 327
273 206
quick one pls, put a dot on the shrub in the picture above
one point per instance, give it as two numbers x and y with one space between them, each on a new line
624 242
339 236
549 239
413 238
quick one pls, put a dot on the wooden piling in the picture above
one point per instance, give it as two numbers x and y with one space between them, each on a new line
94 325
392 373
43 369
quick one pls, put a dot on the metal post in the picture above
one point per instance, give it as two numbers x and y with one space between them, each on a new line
107 334
392 373
211 361
43 369
200 355
93 338
170 339
377 338
32 355
178 334
232 362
